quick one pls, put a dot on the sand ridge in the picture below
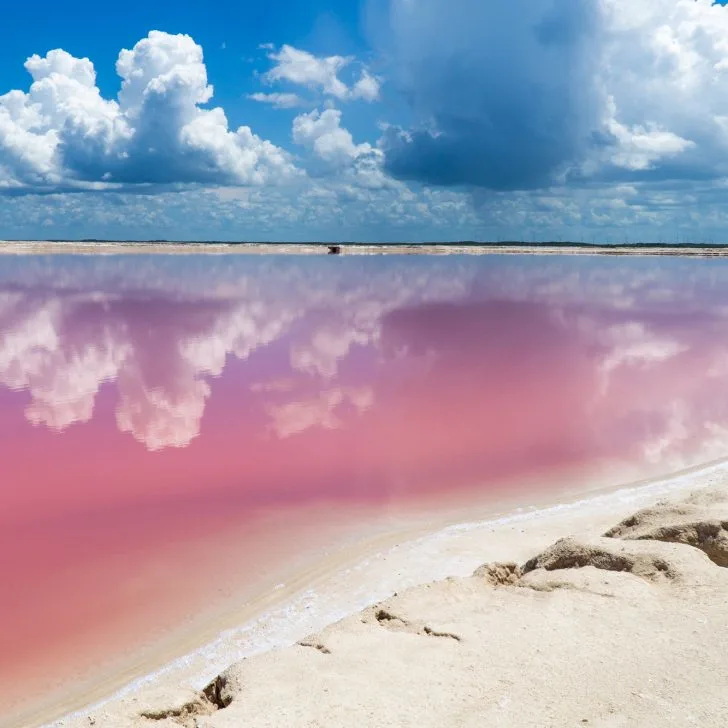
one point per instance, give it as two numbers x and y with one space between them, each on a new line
622 629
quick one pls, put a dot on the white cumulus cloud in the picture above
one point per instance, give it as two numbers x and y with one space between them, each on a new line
334 150
366 88
62 132
322 131
321 74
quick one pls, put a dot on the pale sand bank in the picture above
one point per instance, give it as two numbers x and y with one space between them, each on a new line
607 632
39 247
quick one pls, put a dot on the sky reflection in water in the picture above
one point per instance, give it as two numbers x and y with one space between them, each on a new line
149 400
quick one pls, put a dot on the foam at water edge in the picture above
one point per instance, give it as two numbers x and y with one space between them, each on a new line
311 611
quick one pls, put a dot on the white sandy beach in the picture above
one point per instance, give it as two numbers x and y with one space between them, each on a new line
599 631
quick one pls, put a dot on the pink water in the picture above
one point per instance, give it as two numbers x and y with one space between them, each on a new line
153 409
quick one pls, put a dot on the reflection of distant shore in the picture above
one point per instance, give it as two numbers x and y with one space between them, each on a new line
39 247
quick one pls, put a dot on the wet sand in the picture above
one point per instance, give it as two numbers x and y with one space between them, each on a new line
339 580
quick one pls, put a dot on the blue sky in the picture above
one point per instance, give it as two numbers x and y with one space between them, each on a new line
229 33
602 120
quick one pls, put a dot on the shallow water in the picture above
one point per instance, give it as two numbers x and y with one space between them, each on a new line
152 408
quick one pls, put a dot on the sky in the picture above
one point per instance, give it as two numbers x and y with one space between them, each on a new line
372 120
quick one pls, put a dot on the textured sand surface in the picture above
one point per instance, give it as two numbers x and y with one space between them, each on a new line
623 629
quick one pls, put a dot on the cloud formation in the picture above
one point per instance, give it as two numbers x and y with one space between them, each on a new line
63 133
67 336
664 68
159 332
296 417
504 91
522 95
321 74
278 100
63 348
336 153
595 120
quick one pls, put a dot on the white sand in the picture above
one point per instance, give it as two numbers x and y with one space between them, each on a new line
600 632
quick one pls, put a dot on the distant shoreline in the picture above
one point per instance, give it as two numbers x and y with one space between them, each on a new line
118 247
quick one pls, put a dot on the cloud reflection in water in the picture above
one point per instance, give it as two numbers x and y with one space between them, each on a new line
584 358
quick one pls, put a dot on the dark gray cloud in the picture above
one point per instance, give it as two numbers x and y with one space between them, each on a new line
525 95
505 91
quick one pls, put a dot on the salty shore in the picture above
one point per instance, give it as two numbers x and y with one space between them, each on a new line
124 247
488 642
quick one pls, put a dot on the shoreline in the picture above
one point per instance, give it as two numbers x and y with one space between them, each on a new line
360 573
121 247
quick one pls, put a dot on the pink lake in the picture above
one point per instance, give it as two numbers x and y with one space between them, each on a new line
176 428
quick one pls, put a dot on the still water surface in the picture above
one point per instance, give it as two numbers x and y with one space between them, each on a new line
151 406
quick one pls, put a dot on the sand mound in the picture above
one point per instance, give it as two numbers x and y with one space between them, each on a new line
589 579
654 561
701 522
